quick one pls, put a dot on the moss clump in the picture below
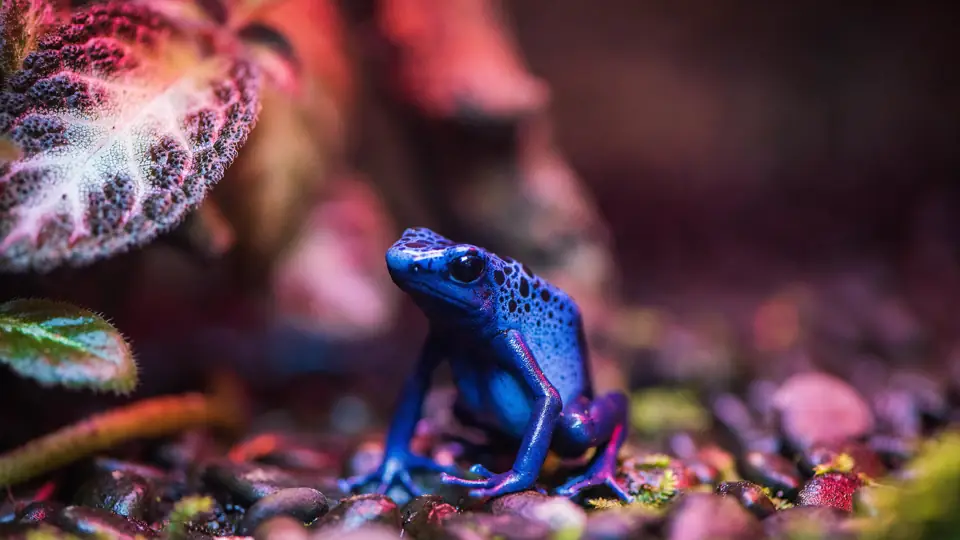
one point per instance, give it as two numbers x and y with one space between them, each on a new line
841 463
184 513
924 506
659 410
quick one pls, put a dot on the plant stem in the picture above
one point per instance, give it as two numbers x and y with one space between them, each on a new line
152 417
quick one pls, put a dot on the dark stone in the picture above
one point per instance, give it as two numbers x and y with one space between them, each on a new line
832 489
557 513
816 407
358 510
705 516
97 521
304 504
750 495
108 465
426 514
929 396
773 471
740 428
804 522
470 526
281 528
123 493
247 483
17 498
40 512
894 451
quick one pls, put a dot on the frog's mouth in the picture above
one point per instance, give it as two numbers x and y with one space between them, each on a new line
433 293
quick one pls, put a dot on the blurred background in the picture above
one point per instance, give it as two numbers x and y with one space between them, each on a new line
733 192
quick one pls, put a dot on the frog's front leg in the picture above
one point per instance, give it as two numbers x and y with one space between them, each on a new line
536 439
398 460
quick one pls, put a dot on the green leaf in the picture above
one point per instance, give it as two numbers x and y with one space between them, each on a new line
55 343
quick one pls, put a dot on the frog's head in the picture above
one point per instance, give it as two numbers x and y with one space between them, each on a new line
443 277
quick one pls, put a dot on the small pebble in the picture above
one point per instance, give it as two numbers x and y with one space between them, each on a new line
109 465
557 513
40 512
773 471
832 489
750 495
250 482
815 407
124 493
366 532
86 521
304 504
618 523
705 516
358 510
281 528
426 514
473 526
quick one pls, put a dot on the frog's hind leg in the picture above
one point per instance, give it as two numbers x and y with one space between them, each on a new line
600 424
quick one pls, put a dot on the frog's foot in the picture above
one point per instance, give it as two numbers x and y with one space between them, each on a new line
491 484
602 471
395 469
606 476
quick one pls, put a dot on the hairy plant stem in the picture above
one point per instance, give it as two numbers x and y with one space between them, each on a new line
152 417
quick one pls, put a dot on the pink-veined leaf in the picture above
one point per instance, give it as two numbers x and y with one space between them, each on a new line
125 121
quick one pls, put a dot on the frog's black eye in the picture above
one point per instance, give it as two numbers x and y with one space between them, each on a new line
467 268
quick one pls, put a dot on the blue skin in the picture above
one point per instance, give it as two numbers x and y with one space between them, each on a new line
517 351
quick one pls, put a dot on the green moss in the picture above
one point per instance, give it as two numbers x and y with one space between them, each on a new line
658 461
604 504
184 513
780 503
658 410
841 463
924 506
46 532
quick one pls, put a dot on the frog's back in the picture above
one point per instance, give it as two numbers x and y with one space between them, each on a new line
550 323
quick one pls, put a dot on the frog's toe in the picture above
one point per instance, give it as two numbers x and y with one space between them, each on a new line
580 483
410 484
480 470
465 482
348 485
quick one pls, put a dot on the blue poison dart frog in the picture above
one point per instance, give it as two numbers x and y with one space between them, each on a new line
517 351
